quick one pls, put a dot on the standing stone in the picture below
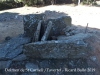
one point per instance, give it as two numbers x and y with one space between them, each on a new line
47 32
37 33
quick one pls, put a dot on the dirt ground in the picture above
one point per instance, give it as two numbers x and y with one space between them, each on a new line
11 21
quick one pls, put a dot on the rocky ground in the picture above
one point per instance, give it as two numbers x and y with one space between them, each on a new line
82 42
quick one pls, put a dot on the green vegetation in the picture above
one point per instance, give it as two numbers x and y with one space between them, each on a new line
89 2
7 4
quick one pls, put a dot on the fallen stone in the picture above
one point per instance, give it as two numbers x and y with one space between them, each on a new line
5 64
47 32
9 48
21 57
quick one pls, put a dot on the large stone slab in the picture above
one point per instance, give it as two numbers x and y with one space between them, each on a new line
31 23
59 49
58 25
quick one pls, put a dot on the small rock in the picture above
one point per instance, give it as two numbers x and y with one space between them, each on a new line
81 42
7 38
53 38
93 58
61 37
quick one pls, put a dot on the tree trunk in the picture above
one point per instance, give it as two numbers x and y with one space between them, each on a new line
78 2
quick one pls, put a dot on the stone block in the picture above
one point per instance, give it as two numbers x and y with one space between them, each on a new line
31 23
60 49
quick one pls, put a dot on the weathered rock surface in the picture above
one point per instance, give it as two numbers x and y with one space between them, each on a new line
13 47
14 53
20 57
31 23
29 74
32 67
73 47
68 49
79 36
58 25
37 32
94 55
47 32
5 64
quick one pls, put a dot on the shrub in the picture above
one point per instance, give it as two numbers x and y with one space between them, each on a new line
5 5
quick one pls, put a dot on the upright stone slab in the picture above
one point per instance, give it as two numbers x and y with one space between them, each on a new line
37 32
47 32
31 23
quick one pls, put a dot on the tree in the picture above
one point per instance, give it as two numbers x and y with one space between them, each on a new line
78 2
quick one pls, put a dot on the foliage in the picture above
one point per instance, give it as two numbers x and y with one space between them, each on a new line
88 2
5 5
33 2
